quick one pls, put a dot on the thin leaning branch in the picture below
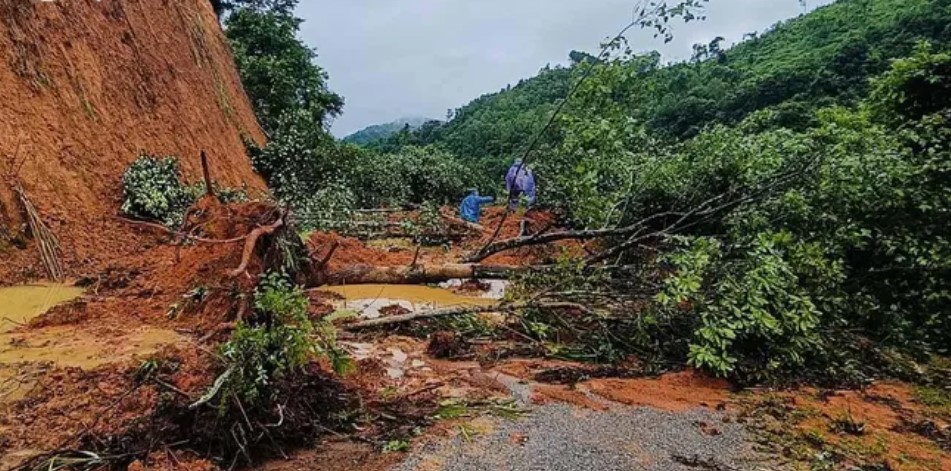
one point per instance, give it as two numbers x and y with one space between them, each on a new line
549 237
162 228
557 111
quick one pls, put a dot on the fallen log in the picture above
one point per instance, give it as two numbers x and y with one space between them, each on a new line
542 238
421 274
463 310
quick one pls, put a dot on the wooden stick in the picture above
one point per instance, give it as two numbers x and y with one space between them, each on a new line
330 253
206 173
46 241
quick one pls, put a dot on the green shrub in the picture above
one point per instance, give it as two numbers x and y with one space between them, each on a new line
152 189
278 340
755 320
329 208
413 175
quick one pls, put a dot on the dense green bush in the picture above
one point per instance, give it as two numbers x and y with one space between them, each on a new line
413 175
152 189
329 208
800 275
278 340
858 244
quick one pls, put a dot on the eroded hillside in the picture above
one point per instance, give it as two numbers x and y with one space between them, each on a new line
84 88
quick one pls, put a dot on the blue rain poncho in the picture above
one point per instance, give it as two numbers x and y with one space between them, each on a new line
471 207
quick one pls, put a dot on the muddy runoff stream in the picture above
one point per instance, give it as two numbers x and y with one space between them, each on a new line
27 353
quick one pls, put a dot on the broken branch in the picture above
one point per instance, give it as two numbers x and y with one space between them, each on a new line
162 228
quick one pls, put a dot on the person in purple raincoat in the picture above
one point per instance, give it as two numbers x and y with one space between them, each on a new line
520 180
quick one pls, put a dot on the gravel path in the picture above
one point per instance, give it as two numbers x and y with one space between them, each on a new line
562 437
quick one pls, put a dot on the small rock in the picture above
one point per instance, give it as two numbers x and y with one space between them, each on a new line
395 373
398 355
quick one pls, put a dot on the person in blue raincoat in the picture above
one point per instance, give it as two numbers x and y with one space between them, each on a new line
520 180
471 208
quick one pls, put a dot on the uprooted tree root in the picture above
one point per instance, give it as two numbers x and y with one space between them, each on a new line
307 406
174 413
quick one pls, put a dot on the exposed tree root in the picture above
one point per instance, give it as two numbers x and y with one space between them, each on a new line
251 243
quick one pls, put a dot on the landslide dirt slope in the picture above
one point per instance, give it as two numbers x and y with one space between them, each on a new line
85 87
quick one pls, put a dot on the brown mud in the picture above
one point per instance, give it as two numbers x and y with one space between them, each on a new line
875 426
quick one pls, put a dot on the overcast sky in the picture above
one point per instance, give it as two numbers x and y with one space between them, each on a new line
418 58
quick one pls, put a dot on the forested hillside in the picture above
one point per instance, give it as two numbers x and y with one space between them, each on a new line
821 58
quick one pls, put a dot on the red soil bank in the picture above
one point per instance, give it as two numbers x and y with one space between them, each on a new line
84 88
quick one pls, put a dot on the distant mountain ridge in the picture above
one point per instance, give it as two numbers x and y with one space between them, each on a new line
378 132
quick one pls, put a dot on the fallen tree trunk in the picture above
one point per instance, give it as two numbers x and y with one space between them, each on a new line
421 274
463 310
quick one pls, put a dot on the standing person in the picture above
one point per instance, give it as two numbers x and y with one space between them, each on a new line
471 208
520 180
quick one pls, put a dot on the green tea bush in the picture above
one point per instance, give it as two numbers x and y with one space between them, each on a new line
152 189
413 175
329 208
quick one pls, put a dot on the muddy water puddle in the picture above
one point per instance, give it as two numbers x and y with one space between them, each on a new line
20 304
26 354
368 300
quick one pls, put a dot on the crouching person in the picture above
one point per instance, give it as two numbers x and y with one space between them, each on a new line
471 208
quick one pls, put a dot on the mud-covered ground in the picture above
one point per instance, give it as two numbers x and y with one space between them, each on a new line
72 378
